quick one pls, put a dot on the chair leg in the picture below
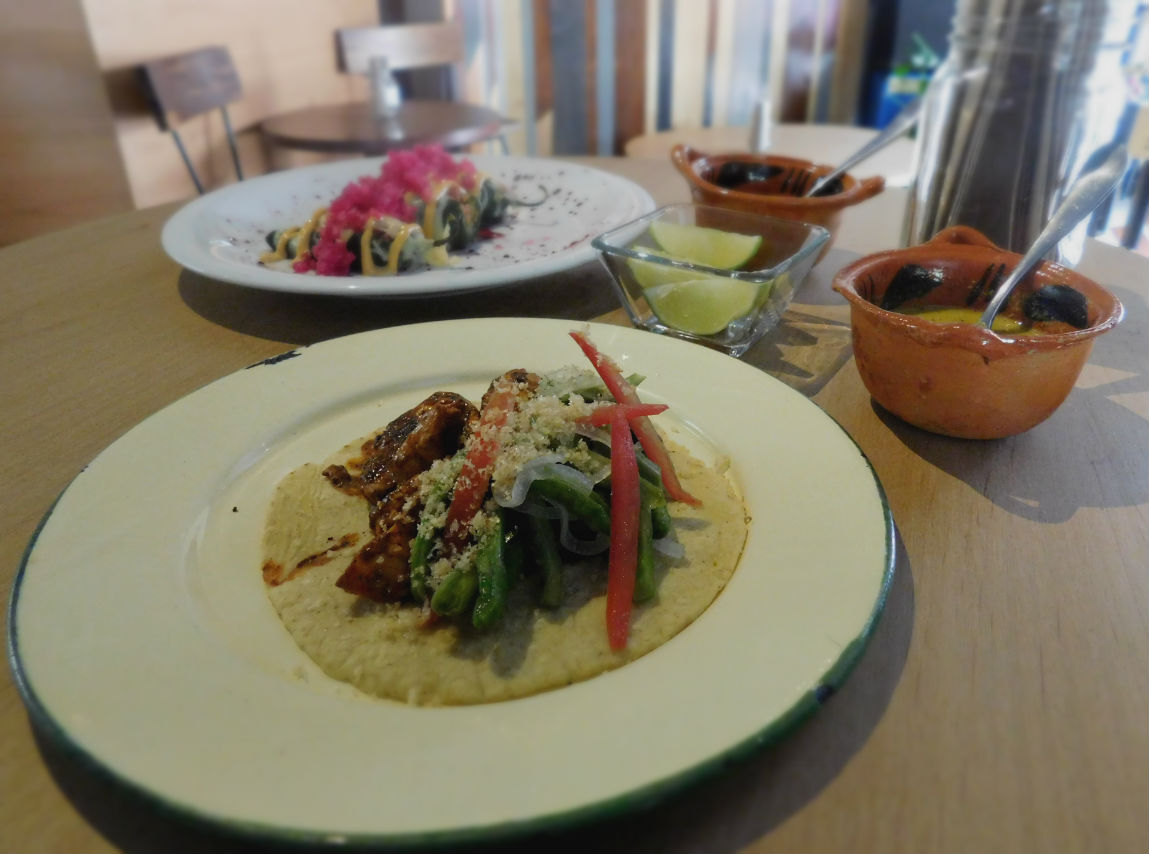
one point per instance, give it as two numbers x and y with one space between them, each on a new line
231 143
187 161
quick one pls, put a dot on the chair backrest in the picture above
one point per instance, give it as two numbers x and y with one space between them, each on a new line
406 46
188 84
191 83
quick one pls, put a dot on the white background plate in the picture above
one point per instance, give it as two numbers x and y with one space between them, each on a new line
222 234
142 635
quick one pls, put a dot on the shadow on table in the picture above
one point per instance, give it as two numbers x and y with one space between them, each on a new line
804 351
300 319
723 813
813 340
1089 453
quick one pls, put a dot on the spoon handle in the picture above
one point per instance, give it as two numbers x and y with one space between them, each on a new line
901 124
1087 193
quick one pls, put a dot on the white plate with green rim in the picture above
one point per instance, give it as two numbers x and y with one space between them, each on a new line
143 639
222 234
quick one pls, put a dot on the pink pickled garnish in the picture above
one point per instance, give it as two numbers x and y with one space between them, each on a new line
414 171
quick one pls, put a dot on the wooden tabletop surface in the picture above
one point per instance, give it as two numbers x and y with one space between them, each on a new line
1002 705
353 128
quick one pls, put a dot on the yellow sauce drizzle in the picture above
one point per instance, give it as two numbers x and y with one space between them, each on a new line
952 314
280 246
308 227
302 232
397 248
366 259
437 192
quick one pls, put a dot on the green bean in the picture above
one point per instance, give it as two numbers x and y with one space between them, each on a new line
456 592
654 498
421 545
644 586
653 495
420 550
493 583
545 549
590 507
647 470
514 549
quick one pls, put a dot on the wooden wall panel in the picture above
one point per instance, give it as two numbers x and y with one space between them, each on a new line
691 29
847 78
512 70
59 163
590 82
284 51
630 64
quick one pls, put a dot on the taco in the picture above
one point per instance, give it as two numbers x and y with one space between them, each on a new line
467 554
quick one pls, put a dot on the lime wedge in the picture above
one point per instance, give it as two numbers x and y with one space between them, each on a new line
648 273
725 250
701 306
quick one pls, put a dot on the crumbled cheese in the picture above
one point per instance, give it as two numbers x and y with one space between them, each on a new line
541 424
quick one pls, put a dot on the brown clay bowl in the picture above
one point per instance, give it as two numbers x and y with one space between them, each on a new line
959 379
767 196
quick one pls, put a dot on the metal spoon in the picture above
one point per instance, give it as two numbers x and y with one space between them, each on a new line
902 123
1086 193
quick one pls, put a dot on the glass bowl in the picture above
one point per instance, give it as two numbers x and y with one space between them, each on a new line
725 309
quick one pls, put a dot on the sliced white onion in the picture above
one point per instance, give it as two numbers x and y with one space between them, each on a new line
669 547
567 380
598 434
547 465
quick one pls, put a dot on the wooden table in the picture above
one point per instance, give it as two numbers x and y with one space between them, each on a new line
1003 703
354 129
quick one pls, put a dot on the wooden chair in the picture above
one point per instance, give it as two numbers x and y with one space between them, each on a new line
186 85
407 47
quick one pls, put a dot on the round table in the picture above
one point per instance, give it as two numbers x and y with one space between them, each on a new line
1002 703
354 129
829 144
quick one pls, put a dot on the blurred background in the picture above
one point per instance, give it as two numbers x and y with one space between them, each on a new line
79 137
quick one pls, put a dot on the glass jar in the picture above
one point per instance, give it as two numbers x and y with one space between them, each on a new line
385 94
1029 90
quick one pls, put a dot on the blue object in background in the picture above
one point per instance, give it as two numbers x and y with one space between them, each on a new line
905 82
901 39
899 88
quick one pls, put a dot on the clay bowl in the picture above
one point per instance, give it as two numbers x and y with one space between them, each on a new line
704 172
959 379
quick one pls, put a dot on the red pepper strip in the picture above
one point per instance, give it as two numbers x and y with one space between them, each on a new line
624 509
475 475
606 414
648 437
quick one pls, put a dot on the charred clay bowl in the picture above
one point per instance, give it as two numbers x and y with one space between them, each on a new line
959 379
765 184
